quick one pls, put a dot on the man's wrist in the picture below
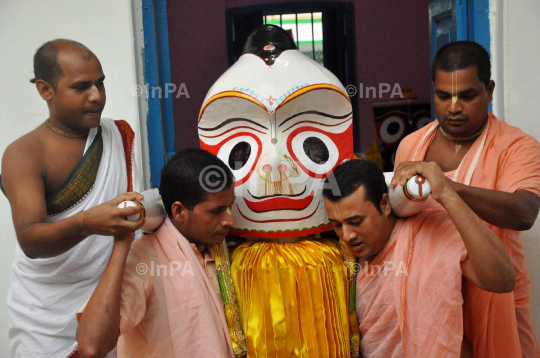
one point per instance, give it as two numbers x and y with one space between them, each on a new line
121 250
448 198
123 244
84 227
458 188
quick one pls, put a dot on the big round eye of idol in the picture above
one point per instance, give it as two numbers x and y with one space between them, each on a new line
239 156
316 152
240 151
282 123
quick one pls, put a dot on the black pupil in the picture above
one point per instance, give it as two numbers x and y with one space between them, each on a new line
393 128
316 150
239 155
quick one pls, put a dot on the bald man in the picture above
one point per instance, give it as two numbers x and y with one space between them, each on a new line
63 181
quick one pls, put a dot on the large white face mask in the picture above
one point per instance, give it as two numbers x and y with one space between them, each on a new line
281 128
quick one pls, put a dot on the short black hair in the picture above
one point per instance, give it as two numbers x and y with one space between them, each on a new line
189 175
351 175
460 55
46 66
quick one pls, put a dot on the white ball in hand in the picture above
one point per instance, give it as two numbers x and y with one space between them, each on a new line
128 204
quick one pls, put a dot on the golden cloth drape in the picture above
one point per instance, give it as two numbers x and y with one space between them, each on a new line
293 299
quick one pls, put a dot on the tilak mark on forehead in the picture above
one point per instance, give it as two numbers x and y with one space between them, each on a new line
454 89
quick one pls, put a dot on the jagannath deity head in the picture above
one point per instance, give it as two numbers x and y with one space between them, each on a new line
282 122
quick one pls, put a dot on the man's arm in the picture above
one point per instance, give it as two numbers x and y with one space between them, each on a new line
514 211
99 326
23 179
488 264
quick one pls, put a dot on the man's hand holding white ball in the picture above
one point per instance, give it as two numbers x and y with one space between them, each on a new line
109 220
440 185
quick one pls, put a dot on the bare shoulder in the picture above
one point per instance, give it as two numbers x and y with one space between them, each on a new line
22 165
24 152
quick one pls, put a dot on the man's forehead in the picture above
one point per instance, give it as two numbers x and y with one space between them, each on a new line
223 197
351 205
74 64
466 77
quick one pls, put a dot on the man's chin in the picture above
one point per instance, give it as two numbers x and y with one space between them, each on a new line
217 239
91 118
361 256
364 255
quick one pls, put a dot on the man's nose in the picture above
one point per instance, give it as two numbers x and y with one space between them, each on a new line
348 234
95 95
228 220
456 106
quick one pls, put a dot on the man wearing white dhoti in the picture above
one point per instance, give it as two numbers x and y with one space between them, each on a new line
63 182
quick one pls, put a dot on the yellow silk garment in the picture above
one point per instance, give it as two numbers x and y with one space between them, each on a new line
293 299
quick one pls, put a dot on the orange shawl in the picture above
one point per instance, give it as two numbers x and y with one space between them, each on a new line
503 158
196 319
408 299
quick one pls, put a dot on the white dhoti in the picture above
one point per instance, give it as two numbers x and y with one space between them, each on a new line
45 294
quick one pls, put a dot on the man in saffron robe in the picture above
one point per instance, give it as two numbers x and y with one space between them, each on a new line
408 293
495 168
63 181
162 293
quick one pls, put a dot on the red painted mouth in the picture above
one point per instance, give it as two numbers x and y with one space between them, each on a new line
279 203
278 220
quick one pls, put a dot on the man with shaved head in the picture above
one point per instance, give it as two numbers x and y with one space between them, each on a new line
64 181
495 169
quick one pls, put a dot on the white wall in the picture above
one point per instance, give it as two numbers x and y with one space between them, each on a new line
106 27
515 48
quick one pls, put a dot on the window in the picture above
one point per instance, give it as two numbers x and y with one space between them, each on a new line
306 29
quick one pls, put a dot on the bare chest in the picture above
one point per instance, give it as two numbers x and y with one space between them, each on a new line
448 156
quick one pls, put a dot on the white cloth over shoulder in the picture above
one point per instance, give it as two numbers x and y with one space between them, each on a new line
45 294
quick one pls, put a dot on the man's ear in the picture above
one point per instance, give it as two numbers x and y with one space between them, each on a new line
179 212
385 205
45 90
490 88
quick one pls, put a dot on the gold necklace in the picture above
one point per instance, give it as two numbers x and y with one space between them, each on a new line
459 140
62 133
